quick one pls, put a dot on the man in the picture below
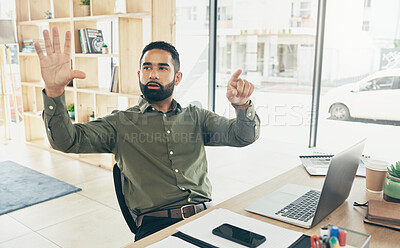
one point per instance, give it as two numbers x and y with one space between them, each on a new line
158 145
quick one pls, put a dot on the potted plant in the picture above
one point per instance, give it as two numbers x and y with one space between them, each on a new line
391 189
104 49
85 4
91 117
71 111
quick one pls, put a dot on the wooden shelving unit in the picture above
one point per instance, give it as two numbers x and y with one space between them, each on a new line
140 22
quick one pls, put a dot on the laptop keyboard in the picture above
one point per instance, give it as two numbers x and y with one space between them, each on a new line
303 208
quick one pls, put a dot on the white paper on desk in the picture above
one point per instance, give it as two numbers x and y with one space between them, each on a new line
172 241
201 229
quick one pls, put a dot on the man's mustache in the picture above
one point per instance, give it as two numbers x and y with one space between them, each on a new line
153 82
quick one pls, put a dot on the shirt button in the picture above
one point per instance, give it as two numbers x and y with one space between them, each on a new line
51 107
182 188
176 170
48 129
165 115
189 199
153 109
168 131
249 114
171 152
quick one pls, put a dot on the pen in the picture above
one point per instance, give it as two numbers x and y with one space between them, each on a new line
334 242
324 231
342 237
334 232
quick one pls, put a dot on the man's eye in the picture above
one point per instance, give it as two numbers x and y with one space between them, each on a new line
163 68
146 67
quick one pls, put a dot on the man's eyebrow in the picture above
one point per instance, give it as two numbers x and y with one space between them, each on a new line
159 64
163 64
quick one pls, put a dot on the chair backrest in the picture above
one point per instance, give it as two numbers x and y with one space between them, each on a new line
121 199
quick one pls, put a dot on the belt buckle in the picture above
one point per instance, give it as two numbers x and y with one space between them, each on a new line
189 205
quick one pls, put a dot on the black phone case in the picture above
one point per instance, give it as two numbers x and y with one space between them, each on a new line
215 231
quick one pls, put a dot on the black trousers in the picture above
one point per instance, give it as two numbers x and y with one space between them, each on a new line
151 224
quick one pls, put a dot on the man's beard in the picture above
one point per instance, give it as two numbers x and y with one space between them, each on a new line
159 94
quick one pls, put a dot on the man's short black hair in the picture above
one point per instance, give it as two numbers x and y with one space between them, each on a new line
166 47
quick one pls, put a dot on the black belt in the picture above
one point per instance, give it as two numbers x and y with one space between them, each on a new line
176 213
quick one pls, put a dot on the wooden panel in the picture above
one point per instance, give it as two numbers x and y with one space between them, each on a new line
130 48
38 8
69 97
63 27
105 105
29 68
26 32
22 8
80 25
34 128
39 99
85 107
89 66
61 8
78 9
103 7
28 99
134 6
163 20
133 101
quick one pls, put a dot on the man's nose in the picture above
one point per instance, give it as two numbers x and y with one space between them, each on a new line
153 74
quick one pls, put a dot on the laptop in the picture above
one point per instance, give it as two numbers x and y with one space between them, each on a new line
304 206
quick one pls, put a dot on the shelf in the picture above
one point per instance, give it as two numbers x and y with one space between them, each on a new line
41 85
41 21
86 18
33 114
95 55
33 54
102 91
34 84
113 16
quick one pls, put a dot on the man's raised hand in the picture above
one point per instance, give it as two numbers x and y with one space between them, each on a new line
56 66
239 90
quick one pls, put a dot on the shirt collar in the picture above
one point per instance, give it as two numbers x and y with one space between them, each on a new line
145 105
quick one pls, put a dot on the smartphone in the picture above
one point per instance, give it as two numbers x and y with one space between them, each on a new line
239 235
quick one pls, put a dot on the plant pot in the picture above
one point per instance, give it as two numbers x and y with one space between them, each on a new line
72 115
86 10
391 189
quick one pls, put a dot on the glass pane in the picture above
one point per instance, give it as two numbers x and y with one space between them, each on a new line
360 81
192 44
273 43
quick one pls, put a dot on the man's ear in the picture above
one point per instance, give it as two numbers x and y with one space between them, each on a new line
138 74
178 78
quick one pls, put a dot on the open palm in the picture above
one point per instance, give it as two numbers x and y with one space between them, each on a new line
56 66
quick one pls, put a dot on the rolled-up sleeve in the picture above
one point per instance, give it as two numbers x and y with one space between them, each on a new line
92 137
241 131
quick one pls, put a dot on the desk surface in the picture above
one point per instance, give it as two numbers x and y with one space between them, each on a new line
345 215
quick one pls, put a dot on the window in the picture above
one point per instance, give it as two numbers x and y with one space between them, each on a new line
367 3
365 26
305 9
359 74
192 44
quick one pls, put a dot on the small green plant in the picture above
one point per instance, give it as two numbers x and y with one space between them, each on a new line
104 45
71 108
395 170
92 115
85 2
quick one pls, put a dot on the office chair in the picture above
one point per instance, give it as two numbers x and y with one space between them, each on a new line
129 219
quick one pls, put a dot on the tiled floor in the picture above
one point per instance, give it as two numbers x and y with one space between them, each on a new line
91 217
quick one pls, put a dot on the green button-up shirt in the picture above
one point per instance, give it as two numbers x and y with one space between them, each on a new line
161 155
